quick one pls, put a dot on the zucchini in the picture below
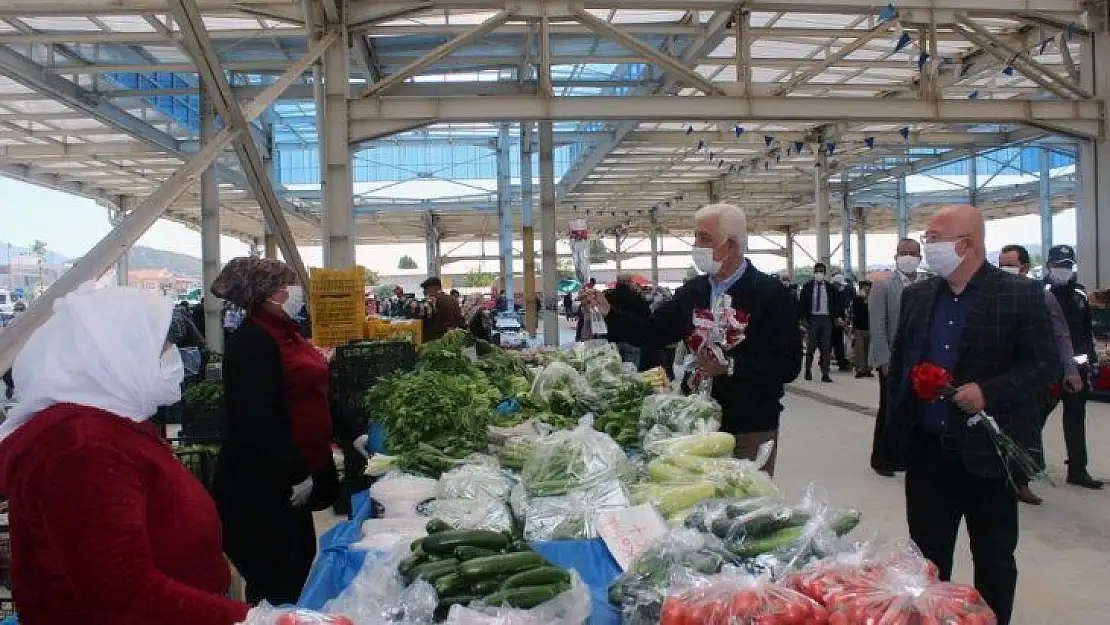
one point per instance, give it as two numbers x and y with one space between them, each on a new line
445 543
436 526
520 545
759 546
445 604
466 552
504 564
408 564
537 577
450 584
526 597
487 586
431 571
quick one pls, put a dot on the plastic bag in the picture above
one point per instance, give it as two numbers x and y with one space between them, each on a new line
561 387
566 460
472 481
479 513
667 416
379 595
900 596
737 599
859 566
706 445
265 614
571 516
640 591
571 607
735 478
777 537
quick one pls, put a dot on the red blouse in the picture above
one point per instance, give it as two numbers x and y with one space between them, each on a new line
108 528
306 388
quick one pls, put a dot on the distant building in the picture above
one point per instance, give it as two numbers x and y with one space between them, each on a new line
28 271
162 281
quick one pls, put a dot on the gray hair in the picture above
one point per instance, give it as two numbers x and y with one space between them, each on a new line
732 222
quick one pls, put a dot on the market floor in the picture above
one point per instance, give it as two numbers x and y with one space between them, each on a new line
1064 551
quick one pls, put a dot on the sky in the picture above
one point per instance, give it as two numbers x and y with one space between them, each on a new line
70 225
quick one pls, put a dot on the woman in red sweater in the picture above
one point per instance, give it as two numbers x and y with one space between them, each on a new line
107 527
275 465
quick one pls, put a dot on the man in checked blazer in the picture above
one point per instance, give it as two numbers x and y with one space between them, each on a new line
991 331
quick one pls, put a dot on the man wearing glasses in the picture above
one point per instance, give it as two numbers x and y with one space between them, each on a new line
992 333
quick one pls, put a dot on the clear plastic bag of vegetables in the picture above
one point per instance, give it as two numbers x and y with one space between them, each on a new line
739 599
567 460
776 537
641 590
573 515
265 614
705 445
377 594
862 565
667 416
481 479
570 606
482 513
896 595
733 477
561 387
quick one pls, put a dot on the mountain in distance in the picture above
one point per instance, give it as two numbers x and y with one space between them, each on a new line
150 258
8 250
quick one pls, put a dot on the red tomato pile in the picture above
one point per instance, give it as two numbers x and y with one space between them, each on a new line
938 603
753 603
305 617
821 580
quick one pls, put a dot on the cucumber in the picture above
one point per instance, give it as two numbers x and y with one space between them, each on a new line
487 586
526 597
436 526
778 540
445 604
431 571
450 584
445 543
417 545
466 552
504 564
408 564
519 545
537 577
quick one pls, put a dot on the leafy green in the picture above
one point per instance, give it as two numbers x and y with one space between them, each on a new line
207 396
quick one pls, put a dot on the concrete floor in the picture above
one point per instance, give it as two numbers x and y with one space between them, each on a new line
1064 551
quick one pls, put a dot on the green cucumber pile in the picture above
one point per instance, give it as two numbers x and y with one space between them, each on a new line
751 527
480 565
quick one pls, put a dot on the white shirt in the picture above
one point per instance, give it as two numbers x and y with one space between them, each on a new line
820 298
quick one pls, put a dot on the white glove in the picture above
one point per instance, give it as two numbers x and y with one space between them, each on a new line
301 493
362 444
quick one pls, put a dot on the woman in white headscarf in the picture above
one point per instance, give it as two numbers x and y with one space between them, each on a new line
106 525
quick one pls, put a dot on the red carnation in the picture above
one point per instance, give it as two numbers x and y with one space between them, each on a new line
1054 390
931 382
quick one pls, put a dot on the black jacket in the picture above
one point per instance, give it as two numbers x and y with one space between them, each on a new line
624 298
769 357
836 304
1007 347
1072 298
861 315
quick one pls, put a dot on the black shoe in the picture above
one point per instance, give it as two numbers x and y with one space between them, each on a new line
885 472
825 377
860 374
869 374
1086 481
1026 495
845 368
809 375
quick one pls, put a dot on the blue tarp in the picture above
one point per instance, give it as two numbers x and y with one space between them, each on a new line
598 569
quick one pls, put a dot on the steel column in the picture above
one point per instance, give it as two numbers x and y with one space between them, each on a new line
973 178
846 231
789 232
210 231
528 244
1045 187
903 208
713 191
1093 167
505 213
431 244
861 243
821 204
654 248
549 267
123 266
338 182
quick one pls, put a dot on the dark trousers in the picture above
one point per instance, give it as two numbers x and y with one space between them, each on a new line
819 338
879 461
939 493
272 549
1075 430
837 338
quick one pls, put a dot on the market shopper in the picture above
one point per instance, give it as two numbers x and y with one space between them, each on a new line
817 308
623 298
749 386
992 333
106 525
861 331
884 305
439 311
275 464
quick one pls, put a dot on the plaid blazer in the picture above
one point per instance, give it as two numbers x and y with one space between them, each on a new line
1007 347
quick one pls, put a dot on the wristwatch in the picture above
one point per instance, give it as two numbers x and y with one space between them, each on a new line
731 367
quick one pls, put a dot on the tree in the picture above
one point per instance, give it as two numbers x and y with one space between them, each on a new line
39 249
384 291
371 277
406 262
478 278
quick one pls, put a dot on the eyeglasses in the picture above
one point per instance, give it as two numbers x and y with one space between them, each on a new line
936 238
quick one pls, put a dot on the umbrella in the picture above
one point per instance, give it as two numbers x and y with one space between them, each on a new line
568 285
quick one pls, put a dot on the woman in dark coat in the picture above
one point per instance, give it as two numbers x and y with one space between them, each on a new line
275 465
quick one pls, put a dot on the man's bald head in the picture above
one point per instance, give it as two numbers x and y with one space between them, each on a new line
963 226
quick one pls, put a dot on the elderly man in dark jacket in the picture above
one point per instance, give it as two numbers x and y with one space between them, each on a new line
749 386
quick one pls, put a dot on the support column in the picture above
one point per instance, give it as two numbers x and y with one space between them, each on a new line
903 208
124 205
789 232
846 231
654 248
528 243
255 248
821 215
547 233
713 191
1045 187
337 182
210 232
861 243
505 214
617 240
432 244
973 178
269 244
1093 210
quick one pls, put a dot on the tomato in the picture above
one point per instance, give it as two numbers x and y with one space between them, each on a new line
745 604
301 617
672 612
838 618
794 614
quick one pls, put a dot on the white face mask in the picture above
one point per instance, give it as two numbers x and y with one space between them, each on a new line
1013 271
294 302
907 264
173 374
942 257
820 277
703 260
1060 275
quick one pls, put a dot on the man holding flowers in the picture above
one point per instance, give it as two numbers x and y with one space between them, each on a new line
989 334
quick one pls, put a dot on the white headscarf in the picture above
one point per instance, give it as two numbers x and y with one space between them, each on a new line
101 348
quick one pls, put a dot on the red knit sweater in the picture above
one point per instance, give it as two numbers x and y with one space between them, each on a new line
107 527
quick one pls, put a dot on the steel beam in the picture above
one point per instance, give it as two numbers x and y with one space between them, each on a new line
210 232
548 266
1044 184
834 58
846 229
821 206
505 213
903 208
861 242
338 179
1019 60
196 40
528 243
1079 118
1093 167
